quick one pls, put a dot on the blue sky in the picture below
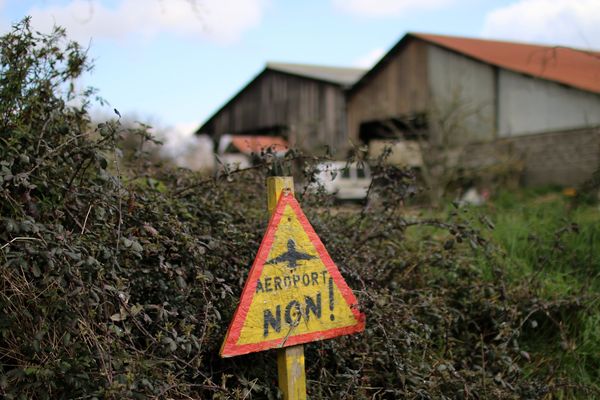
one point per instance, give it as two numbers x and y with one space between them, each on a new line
175 62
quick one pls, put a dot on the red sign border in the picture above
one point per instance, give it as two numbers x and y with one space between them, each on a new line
229 347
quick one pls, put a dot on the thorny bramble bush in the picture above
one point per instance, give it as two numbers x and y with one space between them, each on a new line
119 282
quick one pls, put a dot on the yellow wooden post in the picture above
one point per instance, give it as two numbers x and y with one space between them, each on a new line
290 372
290 360
276 185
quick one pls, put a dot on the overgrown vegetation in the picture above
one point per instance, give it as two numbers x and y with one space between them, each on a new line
119 279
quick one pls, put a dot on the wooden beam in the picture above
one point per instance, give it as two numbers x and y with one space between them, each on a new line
291 372
290 360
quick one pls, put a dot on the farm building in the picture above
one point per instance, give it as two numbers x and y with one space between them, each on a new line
305 104
483 100
487 97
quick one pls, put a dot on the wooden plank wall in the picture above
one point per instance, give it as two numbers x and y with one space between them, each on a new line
312 113
397 89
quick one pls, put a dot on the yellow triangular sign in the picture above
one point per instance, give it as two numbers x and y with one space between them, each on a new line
294 293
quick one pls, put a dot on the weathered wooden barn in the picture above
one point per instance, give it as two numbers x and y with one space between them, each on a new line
542 103
305 104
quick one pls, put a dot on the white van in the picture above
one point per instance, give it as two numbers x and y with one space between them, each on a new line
347 181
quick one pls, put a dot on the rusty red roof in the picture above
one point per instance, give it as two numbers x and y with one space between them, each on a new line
254 144
572 67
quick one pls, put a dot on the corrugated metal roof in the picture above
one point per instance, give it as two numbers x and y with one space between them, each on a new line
572 67
338 75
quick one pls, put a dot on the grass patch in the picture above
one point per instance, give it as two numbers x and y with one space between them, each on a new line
544 249
551 249
547 242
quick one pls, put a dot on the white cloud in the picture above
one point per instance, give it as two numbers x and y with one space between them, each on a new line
566 22
384 8
369 59
217 20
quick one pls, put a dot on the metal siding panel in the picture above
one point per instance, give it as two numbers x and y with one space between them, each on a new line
463 97
528 105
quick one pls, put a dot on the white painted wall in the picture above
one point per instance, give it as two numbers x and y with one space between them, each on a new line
463 96
528 105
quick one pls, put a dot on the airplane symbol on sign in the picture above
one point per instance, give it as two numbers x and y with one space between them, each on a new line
291 257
